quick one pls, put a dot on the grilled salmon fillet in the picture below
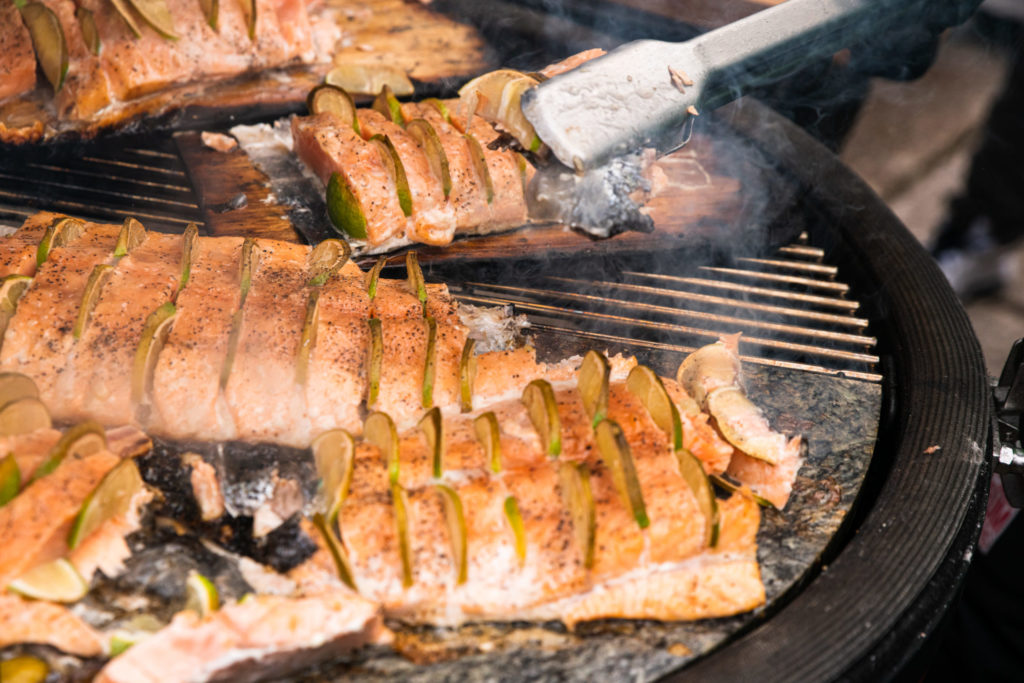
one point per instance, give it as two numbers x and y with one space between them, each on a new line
45 623
17 58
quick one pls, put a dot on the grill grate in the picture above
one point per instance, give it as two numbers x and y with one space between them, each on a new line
792 311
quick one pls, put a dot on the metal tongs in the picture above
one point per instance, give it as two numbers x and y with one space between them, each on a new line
642 94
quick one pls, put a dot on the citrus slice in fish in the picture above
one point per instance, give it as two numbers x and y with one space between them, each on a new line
337 550
112 497
12 288
387 104
97 278
496 96
23 669
22 416
211 10
234 335
154 334
467 375
157 15
373 277
414 278
189 250
440 106
10 479
343 208
539 399
47 40
648 387
14 385
430 363
515 522
80 441
430 142
200 594
432 427
379 430
247 263
326 259
574 482
730 486
56 581
592 381
330 98
334 455
395 169
485 426
456 521
476 155
400 507
59 233
307 339
375 361
370 79
132 234
616 454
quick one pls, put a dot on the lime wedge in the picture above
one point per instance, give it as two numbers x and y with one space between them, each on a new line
574 481
400 504
331 98
211 10
430 364
539 399
111 497
515 521
80 441
696 478
432 427
388 105
368 79
437 104
125 13
10 479
132 235
592 381
307 340
59 233
12 288
247 266
467 375
56 581
23 669
376 358
14 385
476 154
326 259
617 457
343 208
22 416
337 550
486 429
189 249
373 276
334 455
456 519
379 430
414 278
157 15
234 336
648 387
200 594
154 334
249 9
430 142
47 40
395 169
727 484
97 278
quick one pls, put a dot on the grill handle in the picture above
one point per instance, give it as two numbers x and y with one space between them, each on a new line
1009 451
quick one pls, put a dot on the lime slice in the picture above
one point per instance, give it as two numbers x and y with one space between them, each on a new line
388 105
12 288
379 430
343 208
234 336
648 387
47 40
467 375
125 13
10 479
432 427
335 100
250 258
23 669
22 416
515 521
80 441
574 482
617 457
486 429
368 79
400 505
414 278
14 385
374 276
97 278
375 360
524 178
496 96
430 143
456 520
59 233
111 497
732 487
696 478
539 399
592 381
56 581
249 9
307 340
189 249
200 594
157 15
211 10
395 169
337 550
334 455
430 364
476 154
437 104
326 259
132 235
154 334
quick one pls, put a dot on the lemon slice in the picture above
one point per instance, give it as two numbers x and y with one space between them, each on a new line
80 441
200 594
379 429
56 581
23 669
476 155
432 427
456 520
307 340
111 497
47 40
387 104
343 208
496 96
574 482
58 234
617 457
326 259
430 364
515 522
328 97
539 399
414 278
374 276
154 334
430 142
97 278
400 505
467 375
592 381
395 169
22 416
334 455
375 360
487 433
337 550
10 479
368 79
132 235
14 385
